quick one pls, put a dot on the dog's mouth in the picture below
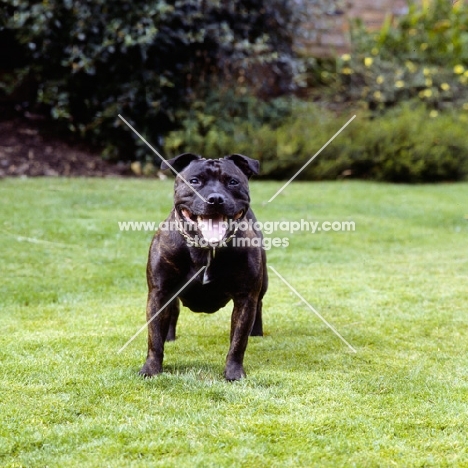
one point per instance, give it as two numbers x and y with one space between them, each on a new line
213 227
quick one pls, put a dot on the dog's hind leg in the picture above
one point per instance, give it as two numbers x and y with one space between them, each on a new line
257 329
175 310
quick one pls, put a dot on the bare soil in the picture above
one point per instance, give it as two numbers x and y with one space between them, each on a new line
27 149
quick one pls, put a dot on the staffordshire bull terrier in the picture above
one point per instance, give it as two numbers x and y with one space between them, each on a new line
209 231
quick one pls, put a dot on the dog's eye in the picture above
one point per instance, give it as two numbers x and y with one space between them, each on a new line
233 182
194 181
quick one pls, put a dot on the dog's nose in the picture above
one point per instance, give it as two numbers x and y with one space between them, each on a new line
215 199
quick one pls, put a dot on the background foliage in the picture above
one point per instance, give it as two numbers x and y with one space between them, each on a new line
217 77
423 56
403 145
90 60
408 84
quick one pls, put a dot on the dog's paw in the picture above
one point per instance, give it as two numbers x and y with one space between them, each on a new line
234 371
150 369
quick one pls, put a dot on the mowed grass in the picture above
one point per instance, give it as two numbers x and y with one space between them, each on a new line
73 291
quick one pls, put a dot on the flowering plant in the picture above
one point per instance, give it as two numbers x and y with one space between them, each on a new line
423 56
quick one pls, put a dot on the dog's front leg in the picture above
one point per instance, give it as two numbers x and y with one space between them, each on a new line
158 328
242 320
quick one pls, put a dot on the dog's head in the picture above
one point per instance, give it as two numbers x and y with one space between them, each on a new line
211 194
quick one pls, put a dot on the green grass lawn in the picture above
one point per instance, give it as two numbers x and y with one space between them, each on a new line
73 291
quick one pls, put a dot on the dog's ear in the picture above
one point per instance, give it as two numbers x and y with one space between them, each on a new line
180 162
247 165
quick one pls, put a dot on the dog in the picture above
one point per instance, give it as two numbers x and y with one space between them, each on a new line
210 230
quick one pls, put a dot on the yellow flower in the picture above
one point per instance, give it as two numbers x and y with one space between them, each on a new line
346 57
377 95
380 79
368 61
347 71
465 74
427 72
428 82
374 51
465 106
424 46
411 66
458 69
445 86
433 113
399 84
425 93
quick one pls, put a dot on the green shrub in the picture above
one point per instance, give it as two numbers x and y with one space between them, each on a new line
407 144
92 60
423 56
221 115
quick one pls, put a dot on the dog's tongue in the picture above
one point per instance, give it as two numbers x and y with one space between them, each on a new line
213 228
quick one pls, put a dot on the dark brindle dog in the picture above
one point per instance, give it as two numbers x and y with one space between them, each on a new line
211 229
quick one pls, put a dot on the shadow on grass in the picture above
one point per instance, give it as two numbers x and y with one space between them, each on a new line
201 356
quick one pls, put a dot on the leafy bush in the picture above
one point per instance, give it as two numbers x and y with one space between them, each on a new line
222 114
403 145
423 56
407 145
92 60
